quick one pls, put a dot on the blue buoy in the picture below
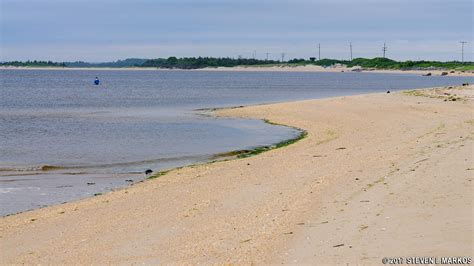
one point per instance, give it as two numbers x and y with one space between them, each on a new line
96 81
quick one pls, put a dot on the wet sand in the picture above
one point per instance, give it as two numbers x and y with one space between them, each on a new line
378 175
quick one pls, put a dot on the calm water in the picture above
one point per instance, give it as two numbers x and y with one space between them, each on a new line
62 138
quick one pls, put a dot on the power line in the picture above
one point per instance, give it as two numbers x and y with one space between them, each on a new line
266 58
462 50
384 49
282 57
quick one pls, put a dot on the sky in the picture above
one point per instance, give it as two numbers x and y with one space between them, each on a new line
107 30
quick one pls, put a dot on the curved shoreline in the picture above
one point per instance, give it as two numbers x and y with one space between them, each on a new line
377 175
233 154
240 154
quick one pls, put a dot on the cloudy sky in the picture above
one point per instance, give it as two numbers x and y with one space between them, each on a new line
105 30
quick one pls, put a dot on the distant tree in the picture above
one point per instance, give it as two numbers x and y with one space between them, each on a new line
172 60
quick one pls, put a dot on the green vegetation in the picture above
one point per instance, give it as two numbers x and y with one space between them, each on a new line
468 67
32 64
203 62
261 149
386 63
161 173
130 62
415 93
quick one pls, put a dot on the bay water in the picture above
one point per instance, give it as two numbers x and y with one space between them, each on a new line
63 138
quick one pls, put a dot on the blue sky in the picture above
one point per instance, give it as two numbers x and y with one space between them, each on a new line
105 30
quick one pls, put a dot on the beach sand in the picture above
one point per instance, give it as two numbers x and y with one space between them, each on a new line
378 175
306 68
315 68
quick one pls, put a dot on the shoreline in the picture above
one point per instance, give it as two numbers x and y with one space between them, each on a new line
320 69
213 158
306 68
233 198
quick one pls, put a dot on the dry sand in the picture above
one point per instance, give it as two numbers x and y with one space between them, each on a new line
314 68
379 175
307 68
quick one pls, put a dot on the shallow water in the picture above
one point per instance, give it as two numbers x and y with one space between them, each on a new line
63 138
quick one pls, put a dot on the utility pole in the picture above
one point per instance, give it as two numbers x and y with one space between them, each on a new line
462 50
350 45
282 57
319 51
266 56
254 54
384 49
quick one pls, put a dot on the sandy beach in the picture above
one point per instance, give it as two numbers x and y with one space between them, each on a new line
315 68
378 175
307 68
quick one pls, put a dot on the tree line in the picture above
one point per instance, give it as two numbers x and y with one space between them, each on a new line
33 64
203 62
